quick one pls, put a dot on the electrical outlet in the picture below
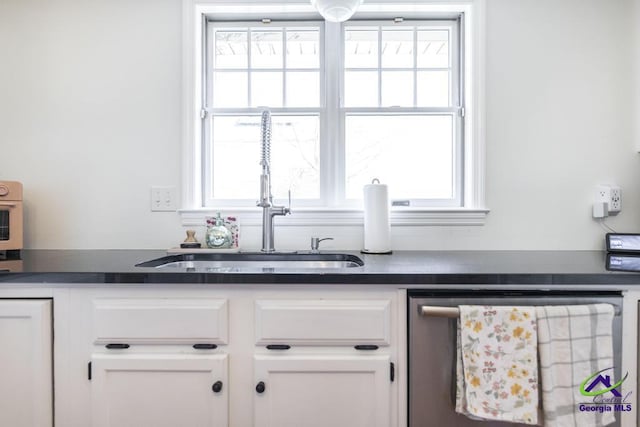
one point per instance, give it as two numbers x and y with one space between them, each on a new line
615 203
603 194
610 197
163 199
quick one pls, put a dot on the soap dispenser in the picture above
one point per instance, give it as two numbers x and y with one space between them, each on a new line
218 236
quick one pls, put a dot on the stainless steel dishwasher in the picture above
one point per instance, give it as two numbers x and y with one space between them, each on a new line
432 347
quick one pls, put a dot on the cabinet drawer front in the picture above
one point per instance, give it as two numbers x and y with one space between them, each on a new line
160 321
323 322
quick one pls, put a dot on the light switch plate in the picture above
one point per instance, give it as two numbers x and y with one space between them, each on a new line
164 199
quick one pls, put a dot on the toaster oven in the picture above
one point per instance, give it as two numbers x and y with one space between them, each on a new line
11 229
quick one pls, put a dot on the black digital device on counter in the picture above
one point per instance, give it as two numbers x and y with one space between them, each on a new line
623 262
623 242
623 252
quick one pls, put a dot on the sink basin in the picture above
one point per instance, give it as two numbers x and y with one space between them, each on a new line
261 262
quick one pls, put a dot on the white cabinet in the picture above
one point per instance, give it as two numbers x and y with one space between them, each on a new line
26 386
159 390
322 390
148 367
323 321
331 363
160 320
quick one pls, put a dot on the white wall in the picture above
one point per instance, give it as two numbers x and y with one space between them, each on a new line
636 71
90 119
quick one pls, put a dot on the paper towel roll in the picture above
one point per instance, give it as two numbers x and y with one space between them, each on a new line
377 231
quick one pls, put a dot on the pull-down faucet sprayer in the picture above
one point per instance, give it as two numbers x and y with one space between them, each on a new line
266 198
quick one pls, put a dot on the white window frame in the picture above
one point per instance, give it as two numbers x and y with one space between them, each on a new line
210 111
455 110
473 211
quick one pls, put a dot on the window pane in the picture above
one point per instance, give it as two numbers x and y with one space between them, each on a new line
266 49
229 89
235 157
397 88
361 89
433 89
303 89
361 48
397 49
230 50
433 49
295 157
266 89
303 49
414 155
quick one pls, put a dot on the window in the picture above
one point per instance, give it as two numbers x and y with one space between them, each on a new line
396 99
401 110
253 66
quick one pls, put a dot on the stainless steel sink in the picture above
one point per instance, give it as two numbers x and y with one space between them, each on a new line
247 262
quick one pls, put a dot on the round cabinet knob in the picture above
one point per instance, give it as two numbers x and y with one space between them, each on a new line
217 387
260 387
4 190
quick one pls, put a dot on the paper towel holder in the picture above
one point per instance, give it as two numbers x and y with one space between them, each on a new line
375 181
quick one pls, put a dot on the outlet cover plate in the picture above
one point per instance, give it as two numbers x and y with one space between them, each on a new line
615 203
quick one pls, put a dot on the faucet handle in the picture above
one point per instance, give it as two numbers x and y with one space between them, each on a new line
315 243
287 210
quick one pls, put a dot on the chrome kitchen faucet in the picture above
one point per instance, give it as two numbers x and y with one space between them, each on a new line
266 198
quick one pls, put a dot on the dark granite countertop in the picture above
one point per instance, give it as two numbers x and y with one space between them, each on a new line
400 268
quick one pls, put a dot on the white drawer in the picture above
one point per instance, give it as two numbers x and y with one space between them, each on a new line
160 321
323 322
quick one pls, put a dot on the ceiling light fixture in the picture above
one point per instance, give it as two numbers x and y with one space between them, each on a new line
336 10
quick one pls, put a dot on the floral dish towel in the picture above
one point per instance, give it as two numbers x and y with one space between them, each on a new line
497 364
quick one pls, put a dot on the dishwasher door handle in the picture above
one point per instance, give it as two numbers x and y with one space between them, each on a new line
454 312
439 311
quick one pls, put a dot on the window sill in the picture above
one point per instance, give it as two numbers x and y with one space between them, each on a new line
317 217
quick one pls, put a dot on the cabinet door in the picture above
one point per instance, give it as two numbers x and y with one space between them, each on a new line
322 390
25 363
159 390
